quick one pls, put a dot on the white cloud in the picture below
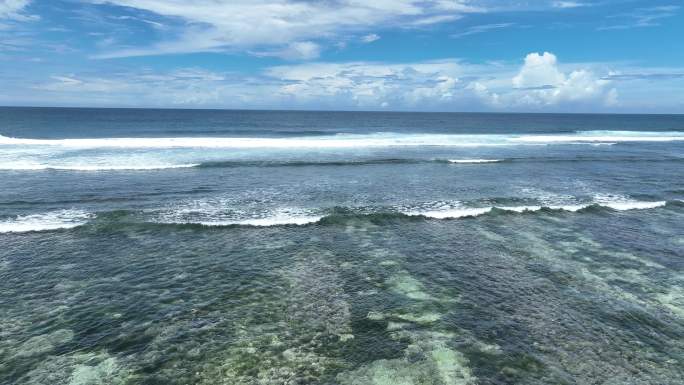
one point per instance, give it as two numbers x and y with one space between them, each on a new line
369 85
643 17
424 21
541 82
569 4
216 25
301 50
539 71
71 83
370 38
14 10
482 29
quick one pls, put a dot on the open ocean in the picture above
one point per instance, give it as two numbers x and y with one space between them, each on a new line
254 247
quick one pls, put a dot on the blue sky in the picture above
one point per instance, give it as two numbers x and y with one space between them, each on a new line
424 55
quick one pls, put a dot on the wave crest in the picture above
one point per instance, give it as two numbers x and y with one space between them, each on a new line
67 219
355 140
53 220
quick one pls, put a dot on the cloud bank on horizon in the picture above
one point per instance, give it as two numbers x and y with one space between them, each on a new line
425 55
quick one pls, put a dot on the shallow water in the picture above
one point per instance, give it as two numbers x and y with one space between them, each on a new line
560 263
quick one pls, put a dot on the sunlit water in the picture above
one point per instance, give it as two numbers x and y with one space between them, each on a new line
219 247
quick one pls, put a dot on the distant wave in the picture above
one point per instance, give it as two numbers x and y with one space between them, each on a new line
38 167
116 166
355 140
53 220
305 163
607 137
466 161
25 166
399 161
131 154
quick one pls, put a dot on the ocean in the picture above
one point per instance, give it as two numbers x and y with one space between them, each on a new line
143 246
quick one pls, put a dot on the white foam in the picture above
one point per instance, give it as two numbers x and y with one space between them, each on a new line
634 205
622 203
23 154
571 208
276 220
53 220
463 212
451 213
353 140
474 160
38 167
333 141
519 209
607 137
225 211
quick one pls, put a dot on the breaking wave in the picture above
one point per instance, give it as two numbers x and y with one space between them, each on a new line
68 219
469 161
116 166
53 220
355 140
83 167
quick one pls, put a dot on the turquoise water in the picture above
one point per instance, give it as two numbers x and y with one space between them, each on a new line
236 247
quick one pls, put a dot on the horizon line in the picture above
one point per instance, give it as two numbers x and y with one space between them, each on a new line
343 111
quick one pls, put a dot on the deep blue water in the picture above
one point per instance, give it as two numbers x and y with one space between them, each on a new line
268 247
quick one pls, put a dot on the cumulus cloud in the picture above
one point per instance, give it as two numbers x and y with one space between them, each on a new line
539 84
539 71
542 82
370 85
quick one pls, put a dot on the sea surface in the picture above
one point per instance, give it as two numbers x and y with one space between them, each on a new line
263 247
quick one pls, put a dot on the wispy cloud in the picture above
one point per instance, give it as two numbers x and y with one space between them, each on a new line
642 17
154 24
304 50
570 4
653 76
426 21
15 10
215 25
482 29
370 38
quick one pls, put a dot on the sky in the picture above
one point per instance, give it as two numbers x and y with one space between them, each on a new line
395 55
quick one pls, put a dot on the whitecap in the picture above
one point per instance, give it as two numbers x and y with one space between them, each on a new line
83 167
53 220
623 203
466 161
354 140
276 220
332 141
224 211
460 212
611 137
